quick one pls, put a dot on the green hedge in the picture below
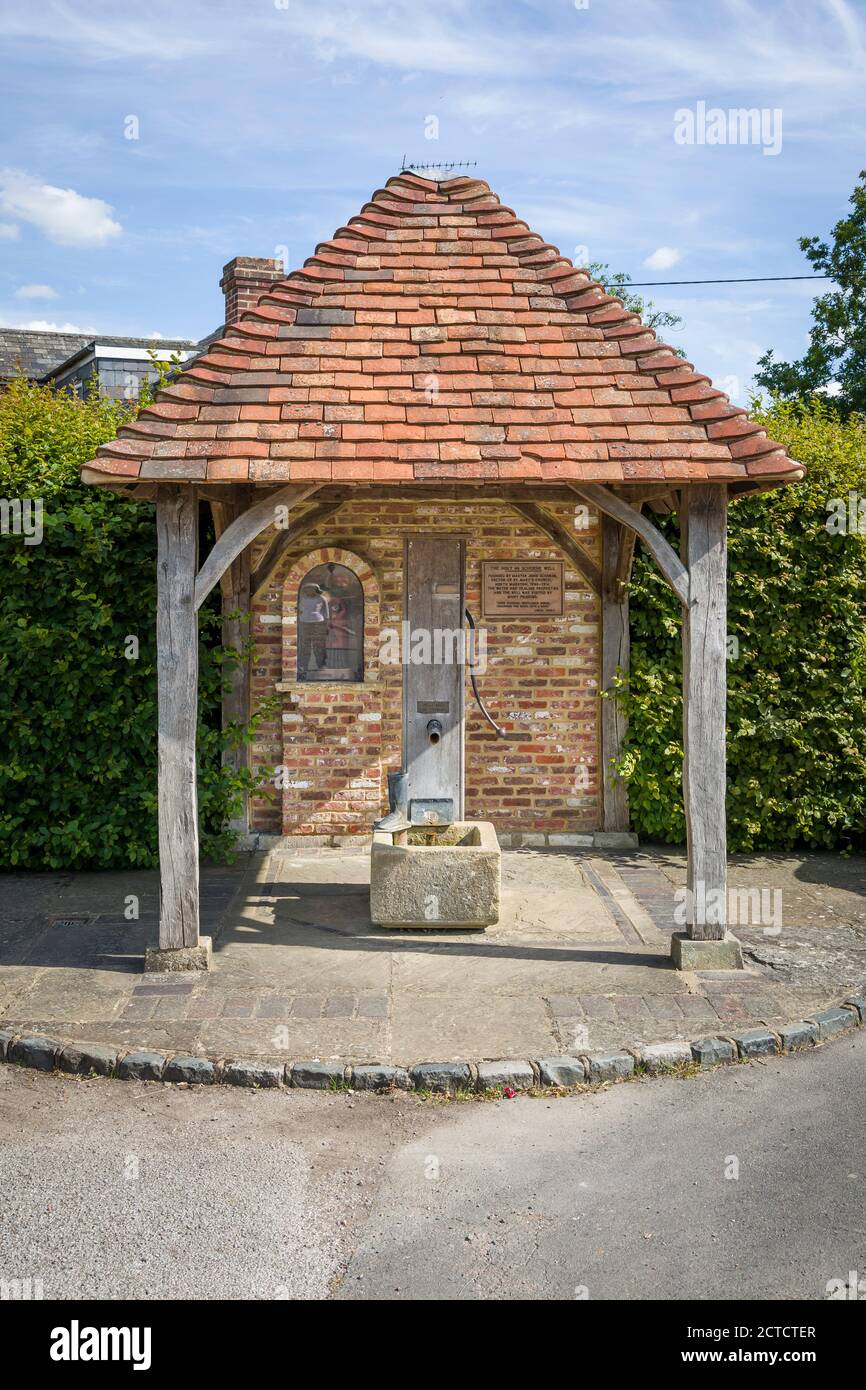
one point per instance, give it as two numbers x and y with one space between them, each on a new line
797 672
77 717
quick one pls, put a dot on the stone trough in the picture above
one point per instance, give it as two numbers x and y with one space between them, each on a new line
446 876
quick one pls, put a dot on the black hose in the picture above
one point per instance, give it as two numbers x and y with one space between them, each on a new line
475 691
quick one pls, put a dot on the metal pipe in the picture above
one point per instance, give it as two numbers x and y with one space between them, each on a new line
500 733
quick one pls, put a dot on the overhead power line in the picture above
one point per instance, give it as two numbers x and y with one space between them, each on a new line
746 280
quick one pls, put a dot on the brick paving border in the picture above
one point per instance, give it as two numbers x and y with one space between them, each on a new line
507 1075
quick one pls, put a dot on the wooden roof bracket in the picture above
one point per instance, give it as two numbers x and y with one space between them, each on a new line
570 547
284 541
242 532
669 563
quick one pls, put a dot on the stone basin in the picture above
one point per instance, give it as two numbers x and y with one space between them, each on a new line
440 877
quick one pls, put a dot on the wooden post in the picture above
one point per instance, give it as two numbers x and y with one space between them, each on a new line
177 679
704 550
235 600
615 652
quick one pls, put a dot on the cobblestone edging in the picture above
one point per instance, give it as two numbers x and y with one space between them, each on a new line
587 1068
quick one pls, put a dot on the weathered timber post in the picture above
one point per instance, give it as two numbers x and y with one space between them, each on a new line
235 602
706 945
615 652
180 947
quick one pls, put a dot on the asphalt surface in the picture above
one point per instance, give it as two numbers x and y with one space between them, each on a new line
118 1190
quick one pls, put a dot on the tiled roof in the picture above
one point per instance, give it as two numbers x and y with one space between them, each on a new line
437 337
39 354
35 353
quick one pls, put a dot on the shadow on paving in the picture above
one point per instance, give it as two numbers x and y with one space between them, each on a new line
289 928
580 958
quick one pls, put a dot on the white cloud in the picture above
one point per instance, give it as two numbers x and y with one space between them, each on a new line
663 258
65 217
117 36
445 38
35 292
9 231
44 326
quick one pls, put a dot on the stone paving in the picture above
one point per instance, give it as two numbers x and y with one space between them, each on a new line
579 960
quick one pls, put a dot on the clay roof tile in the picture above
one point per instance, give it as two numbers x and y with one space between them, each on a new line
436 313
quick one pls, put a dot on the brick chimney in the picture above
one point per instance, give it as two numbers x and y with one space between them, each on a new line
244 280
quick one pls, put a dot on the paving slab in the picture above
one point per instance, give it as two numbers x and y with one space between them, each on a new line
579 960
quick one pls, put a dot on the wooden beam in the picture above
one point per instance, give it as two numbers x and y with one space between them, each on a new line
235 602
703 522
624 557
284 540
563 540
617 550
177 686
489 494
223 511
665 556
242 532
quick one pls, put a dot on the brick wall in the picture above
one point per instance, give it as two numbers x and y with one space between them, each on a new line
337 741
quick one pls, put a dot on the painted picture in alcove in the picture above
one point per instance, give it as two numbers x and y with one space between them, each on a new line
330 625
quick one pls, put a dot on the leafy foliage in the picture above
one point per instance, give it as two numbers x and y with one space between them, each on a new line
836 355
77 715
797 669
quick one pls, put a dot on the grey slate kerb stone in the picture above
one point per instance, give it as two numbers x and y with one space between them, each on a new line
712 1052
858 1003
797 1036
83 1058
443 1077
665 1056
195 1071
316 1075
609 1066
756 1042
492 1076
831 1022
141 1066
377 1076
33 1051
244 1073
562 1071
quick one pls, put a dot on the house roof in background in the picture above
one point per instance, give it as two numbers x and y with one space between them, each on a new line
40 354
36 353
437 338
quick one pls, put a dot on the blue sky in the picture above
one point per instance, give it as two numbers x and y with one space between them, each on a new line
265 124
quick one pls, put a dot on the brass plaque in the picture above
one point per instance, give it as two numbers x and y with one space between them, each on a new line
521 588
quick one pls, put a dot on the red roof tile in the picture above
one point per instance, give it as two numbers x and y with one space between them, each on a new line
437 337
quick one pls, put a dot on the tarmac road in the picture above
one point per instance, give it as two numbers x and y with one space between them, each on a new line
120 1190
